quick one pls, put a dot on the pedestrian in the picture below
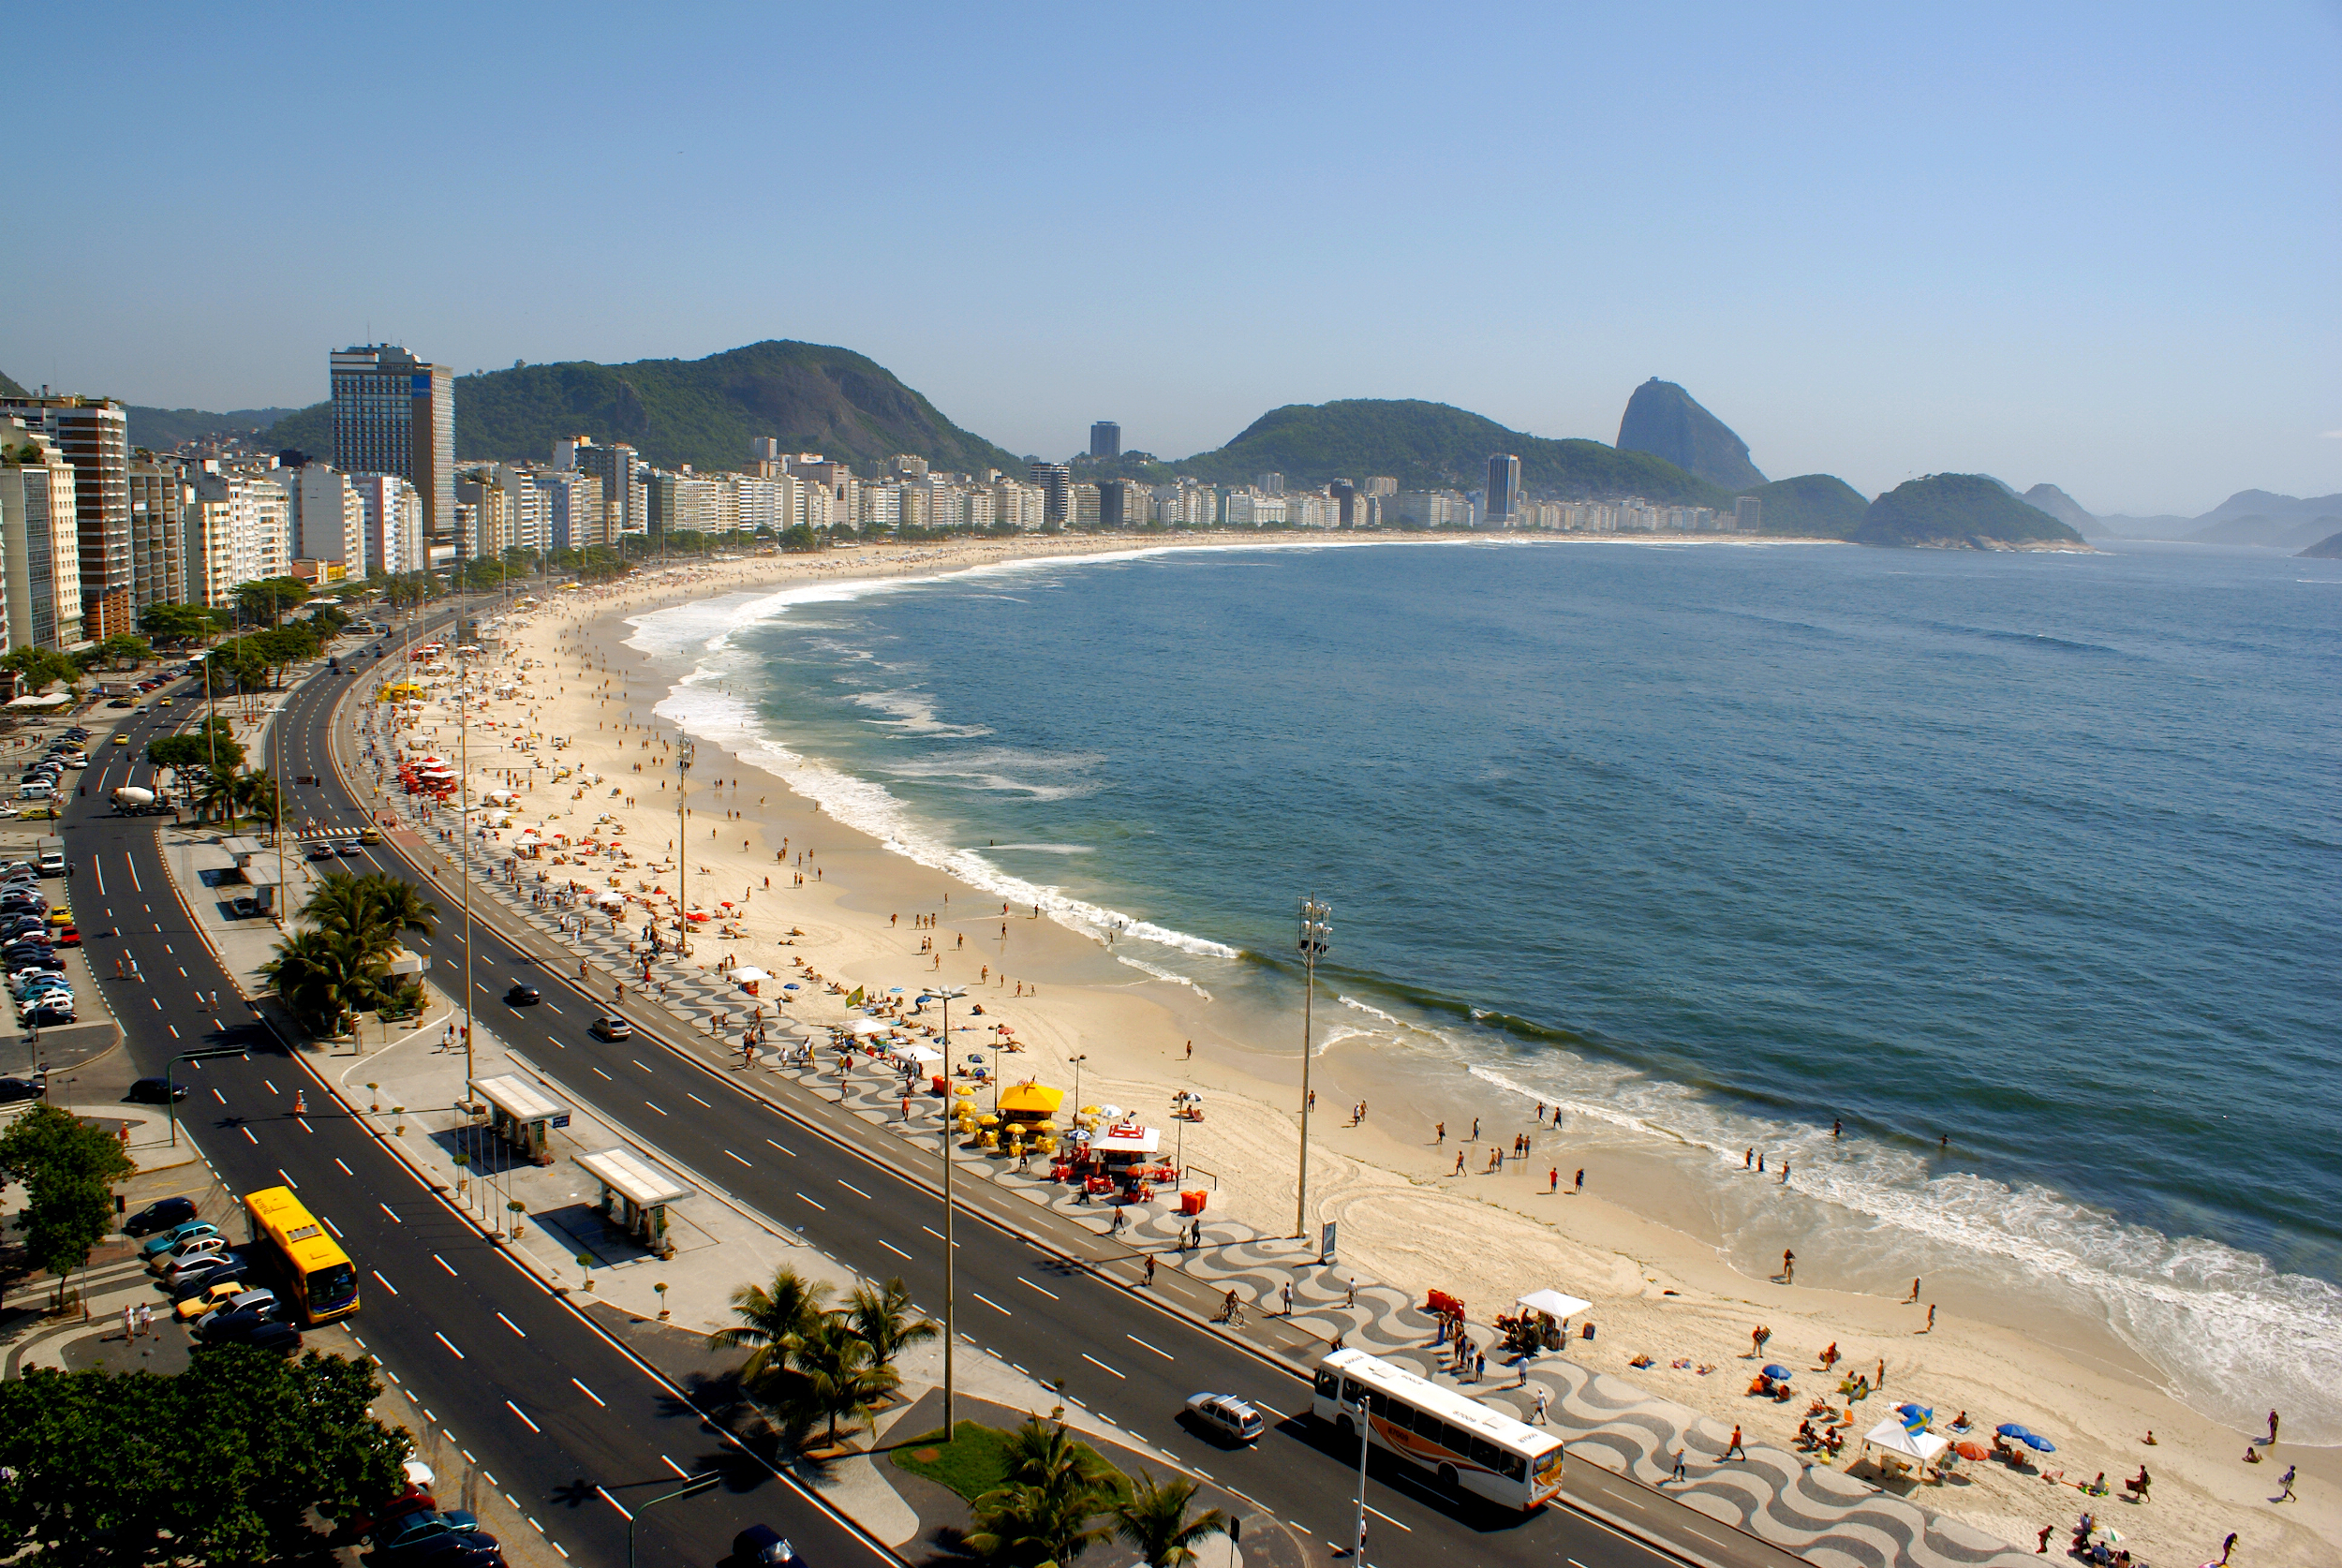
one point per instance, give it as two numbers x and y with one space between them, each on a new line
1789 1263
1459 1163
1931 1319
2226 1546
1748 1160
1151 1268
1784 1173
1881 1380
2273 1429
146 1319
1350 1297
1554 1179
1284 1292
1677 1473
1541 1398
2285 1482
1581 1178
1479 1364
1439 1132
1475 1129
2046 1530
1915 1295
130 1321
1734 1447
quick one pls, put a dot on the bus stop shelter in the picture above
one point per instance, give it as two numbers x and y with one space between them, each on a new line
522 1115
634 1196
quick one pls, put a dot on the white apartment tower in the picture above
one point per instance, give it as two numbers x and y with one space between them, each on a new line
39 539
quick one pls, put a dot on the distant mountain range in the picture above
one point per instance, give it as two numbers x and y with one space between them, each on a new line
1961 511
2329 549
2249 517
160 429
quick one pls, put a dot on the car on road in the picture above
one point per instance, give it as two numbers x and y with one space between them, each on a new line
762 1547
122 740
160 1215
162 702
155 1091
348 848
193 1229
612 1029
318 852
14 1089
1226 1416
368 836
522 996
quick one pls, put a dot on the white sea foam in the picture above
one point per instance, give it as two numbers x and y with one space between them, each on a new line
1174 976
1050 848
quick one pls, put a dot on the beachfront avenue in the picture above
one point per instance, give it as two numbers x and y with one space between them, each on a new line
556 1405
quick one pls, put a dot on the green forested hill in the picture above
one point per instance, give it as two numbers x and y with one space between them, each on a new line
703 412
1429 446
1960 512
10 387
1812 506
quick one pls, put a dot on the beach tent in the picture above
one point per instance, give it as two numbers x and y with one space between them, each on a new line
1890 1435
864 1026
1031 1099
1552 1303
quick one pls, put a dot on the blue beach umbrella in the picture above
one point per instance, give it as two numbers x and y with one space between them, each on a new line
1777 1372
2038 1444
1915 1415
2011 1429
790 986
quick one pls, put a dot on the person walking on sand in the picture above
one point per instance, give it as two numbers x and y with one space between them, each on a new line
1459 1171
1789 1264
2047 1531
2273 1429
2285 1484
1554 1179
1439 1132
2226 1546
1915 1295
1581 1178
1931 1319
1734 1447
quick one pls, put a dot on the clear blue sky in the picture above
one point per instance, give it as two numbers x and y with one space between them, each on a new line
2094 244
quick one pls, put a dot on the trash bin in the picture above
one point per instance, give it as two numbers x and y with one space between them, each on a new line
1192 1203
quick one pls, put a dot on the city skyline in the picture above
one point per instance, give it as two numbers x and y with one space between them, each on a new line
2065 248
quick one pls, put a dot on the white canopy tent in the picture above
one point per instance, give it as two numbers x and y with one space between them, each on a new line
1892 1436
1552 1303
746 975
865 1026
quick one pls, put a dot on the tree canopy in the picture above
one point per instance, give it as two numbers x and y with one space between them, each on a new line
269 599
68 1169
179 623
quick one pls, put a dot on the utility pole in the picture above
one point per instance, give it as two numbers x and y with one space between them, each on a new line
463 834
1314 937
683 755
951 1261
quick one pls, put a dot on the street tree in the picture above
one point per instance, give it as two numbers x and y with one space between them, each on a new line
68 1169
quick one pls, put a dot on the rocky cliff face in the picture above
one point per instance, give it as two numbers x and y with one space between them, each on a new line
1664 421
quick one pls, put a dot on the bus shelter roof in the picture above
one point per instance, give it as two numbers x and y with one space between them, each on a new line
625 1171
517 1098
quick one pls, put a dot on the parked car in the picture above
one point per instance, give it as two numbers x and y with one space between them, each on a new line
47 1017
762 1547
210 1295
190 1269
160 1215
230 1324
155 1091
226 1267
14 1089
192 1230
1227 1415
186 1252
52 863
69 936
124 702
282 1338
453 1539
32 955
613 1029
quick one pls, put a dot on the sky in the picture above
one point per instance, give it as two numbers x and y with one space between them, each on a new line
2097 246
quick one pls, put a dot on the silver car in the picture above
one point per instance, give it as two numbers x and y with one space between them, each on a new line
1227 1415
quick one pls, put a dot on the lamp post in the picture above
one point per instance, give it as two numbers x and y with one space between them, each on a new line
463 835
1357 1540
1078 1080
691 1486
1313 938
171 1090
950 1208
683 755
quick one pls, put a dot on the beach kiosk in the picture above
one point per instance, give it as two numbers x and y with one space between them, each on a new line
522 1115
1892 1446
634 1196
1126 1153
1029 1102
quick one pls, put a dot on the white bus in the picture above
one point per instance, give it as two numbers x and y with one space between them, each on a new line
1467 1447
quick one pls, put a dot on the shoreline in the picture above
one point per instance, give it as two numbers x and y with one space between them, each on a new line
1399 1218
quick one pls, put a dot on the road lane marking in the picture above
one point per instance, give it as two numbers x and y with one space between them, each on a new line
994 1305
604 1076
1144 1345
304 1124
676 1467
639 1064
590 1394
271 1088
615 1503
221 1098
386 1285
346 1170
393 1213
247 1133
653 1107
563 1014
444 1264
729 1153
1095 1362
790 1152
289 1181
1410 1529
336 1230
896 1251
513 1326
823 1207
524 1421
689 1093
1031 1286
852 1187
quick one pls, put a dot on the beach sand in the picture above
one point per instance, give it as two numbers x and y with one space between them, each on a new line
1643 1242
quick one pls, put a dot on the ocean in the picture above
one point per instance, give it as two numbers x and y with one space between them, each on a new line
1721 843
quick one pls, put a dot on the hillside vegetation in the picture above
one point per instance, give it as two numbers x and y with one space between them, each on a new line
1432 446
1960 512
703 412
1811 505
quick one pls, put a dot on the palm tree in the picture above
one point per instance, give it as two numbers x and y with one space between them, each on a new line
1042 1511
325 979
215 791
372 910
1152 1516
883 1316
837 1374
772 1321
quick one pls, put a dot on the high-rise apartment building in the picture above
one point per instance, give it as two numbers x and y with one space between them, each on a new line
94 434
528 505
238 530
1106 439
489 517
1504 496
1270 483
620 469
395 414
329 520
1382 484
390 523
1056 484
572 509
1748 514
39 538
160 493
1125 504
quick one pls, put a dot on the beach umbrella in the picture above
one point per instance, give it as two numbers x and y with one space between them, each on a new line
2038 1444
790 985
1973 1451
2010 1430
1777 1372
894 990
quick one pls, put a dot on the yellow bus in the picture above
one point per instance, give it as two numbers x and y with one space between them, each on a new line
323 1281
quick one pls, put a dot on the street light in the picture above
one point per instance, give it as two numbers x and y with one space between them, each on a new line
1077 1079
171 1090
951 1277
683 752
691 1487
1312 938
1358 1539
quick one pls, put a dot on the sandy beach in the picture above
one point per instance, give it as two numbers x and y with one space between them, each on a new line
1643 1241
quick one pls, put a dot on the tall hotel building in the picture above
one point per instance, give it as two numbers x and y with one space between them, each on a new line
395 414
1503 504
94 435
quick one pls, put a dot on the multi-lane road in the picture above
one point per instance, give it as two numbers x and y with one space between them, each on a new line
555 1410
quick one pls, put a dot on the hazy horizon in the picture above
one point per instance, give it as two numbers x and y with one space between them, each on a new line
2091 249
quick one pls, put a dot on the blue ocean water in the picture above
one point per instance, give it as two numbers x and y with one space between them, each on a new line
1729 842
